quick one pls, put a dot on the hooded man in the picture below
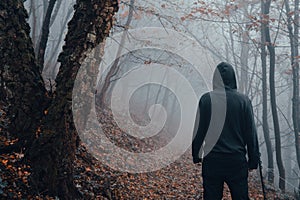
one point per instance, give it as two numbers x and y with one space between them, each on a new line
226 161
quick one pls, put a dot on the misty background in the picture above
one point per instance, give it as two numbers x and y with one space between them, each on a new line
231 31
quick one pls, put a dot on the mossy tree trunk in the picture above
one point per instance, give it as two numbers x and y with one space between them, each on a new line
48 126
21 85
52 155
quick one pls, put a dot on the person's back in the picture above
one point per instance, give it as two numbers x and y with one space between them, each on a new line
226 161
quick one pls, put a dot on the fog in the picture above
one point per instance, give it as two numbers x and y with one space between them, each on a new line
221 31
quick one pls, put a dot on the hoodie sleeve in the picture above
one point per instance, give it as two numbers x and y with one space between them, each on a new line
203 122
251 138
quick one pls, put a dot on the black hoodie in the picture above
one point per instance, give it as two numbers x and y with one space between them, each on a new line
238 135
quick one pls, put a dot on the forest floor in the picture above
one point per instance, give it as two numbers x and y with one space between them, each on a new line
180 180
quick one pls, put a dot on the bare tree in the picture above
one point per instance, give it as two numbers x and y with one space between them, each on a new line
271 49
265 123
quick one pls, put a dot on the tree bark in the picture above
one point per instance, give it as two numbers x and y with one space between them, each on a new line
52 154
265 99
22 87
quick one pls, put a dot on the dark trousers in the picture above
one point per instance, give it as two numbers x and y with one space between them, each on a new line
232 171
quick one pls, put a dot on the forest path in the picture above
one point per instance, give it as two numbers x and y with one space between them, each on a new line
180 180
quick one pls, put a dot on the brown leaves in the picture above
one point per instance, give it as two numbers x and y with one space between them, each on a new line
180 180
14 176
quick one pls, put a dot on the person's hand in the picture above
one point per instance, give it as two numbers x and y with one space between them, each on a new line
197 160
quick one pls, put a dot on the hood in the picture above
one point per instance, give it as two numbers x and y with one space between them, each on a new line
224 76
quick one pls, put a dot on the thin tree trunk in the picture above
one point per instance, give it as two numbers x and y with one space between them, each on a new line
53 153
271 49
293 36
115 66
244 62
45 7
45 34
296 102
51 72
265 100
34 23
244 54
233 50
55 12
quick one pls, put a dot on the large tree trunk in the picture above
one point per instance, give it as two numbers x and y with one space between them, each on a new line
265 100
52 154
21 83
271 49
